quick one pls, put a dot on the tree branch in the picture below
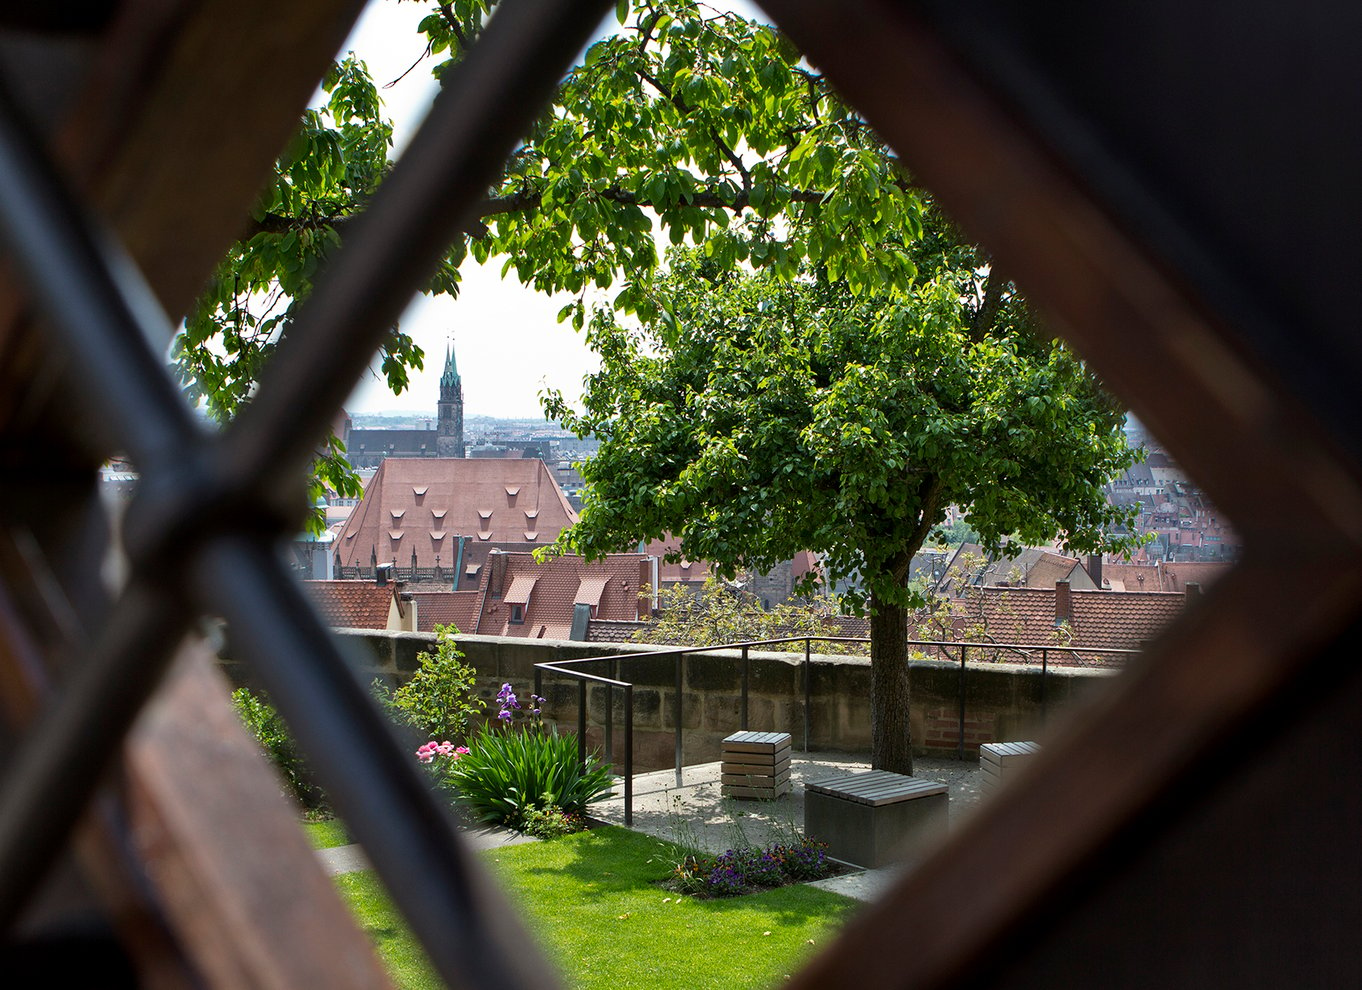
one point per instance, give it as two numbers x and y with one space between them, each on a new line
987 313
526 200
686 108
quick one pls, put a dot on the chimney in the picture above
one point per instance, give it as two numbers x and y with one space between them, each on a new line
496 576
647 587
1095 568
1064 603
383 574
1192 589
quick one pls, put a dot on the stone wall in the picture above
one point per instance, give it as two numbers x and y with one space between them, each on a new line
1002 701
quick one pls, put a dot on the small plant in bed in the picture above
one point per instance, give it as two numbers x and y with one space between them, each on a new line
741 871
518 773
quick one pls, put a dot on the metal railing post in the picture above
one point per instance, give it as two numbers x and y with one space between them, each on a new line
676 717
960 746
745 668
807 665
1044 671
610 720
629 756
581 721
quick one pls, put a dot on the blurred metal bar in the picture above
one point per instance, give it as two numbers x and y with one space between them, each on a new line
406 831
95 299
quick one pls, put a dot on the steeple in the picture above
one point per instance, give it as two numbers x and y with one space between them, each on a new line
449 440
450 378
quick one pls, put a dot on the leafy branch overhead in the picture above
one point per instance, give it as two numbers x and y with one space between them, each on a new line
689 124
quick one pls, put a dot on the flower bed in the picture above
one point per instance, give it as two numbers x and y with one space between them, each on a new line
741 871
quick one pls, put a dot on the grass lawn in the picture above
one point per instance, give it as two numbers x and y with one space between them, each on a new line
327 834
591 901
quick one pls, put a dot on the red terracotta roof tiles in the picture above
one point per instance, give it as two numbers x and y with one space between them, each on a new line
351 604
486 498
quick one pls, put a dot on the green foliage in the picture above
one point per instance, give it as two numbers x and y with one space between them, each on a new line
955 534
325 177
265 723
719 614
689 123
506 774
440 700
748 868
551 822
757 417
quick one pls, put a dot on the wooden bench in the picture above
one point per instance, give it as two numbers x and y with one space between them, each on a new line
999 761
756 765
871 818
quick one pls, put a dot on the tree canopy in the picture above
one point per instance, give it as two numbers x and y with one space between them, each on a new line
825 366
758 415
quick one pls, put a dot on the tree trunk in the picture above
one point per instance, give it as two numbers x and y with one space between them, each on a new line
891 740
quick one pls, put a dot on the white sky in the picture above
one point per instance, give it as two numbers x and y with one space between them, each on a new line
507 340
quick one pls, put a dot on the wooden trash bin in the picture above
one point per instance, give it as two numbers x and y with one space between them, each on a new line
870 819
756 765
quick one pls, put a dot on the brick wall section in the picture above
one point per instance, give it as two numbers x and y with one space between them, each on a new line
1003 701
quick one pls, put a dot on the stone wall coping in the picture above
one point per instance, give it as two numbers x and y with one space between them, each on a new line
588 649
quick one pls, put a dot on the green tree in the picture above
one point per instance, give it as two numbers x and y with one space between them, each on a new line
758 415
687 123
718 614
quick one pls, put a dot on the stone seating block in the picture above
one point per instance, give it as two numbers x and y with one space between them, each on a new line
871 818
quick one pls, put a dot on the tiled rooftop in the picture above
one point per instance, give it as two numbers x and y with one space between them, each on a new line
415 507
351 604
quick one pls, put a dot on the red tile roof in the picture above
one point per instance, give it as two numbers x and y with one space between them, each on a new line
456 608
1164 576
682 572
420 504
558 585
351 604
1100 618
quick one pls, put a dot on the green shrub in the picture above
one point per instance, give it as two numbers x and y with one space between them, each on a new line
266 724
440 698
506 774
550 822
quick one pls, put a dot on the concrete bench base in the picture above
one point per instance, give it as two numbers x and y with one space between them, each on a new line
871 819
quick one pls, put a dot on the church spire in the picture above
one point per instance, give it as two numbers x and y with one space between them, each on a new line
449 441
450 377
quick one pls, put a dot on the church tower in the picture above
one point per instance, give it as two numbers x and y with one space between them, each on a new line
449 441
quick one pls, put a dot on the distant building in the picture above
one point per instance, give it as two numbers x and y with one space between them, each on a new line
436 519
368 448
561 598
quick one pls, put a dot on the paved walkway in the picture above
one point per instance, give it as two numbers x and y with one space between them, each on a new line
351 859
695 814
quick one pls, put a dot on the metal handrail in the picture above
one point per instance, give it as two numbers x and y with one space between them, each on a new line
567 668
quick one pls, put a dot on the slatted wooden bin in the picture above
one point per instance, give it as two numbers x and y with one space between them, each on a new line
872 819
1000 761
756 765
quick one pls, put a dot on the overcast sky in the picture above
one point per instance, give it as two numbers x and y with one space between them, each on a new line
507 340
